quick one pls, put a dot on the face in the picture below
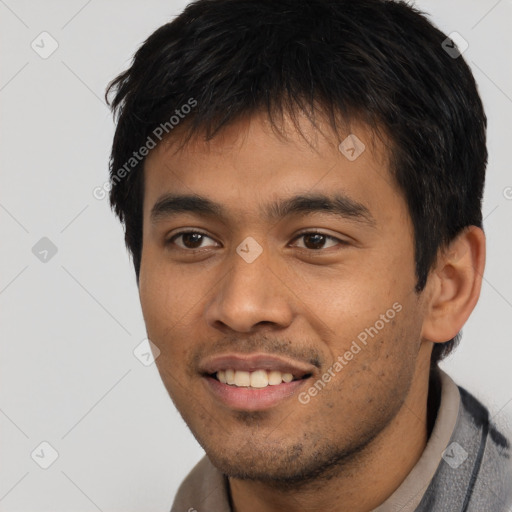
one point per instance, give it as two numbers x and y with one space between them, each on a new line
259 280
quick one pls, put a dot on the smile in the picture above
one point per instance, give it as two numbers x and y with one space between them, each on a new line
257 379
252 382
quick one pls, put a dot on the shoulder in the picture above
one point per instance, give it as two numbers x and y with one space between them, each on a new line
491 477
204 488
475 472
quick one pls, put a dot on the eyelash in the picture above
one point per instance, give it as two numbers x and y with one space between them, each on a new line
299 235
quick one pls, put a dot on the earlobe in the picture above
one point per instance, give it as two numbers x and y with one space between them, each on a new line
454 285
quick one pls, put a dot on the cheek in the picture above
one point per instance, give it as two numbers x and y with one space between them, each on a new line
366 375
159 296
161 289
168 306
372 332
153 297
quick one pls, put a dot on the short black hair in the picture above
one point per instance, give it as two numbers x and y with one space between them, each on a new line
381 62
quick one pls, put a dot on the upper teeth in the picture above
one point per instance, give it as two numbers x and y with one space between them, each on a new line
256 379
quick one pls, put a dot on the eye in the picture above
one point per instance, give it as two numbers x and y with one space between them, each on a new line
189 239
315 240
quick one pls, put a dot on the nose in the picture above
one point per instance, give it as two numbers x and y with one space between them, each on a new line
250 295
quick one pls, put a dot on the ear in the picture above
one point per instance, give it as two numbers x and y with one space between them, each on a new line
454 285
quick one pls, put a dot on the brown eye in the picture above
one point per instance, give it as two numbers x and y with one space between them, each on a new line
192 240
189 239
315 241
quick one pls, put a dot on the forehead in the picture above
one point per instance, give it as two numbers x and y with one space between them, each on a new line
247 163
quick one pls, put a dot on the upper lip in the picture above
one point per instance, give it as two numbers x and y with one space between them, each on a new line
253 362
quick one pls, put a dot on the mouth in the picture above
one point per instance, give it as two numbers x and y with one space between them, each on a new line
257 379
254 382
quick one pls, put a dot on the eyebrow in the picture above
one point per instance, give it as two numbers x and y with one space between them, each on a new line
338 205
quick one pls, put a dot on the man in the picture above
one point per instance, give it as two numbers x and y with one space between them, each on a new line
300 183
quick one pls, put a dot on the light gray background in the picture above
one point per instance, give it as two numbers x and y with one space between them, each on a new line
69 326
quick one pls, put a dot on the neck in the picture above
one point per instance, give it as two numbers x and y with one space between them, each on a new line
364 482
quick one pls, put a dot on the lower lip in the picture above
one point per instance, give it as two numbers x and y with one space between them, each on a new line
253 399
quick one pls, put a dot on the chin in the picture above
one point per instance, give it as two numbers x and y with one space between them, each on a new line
284 466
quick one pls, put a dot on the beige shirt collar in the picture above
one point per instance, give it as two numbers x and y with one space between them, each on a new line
408 496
